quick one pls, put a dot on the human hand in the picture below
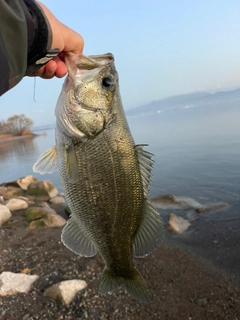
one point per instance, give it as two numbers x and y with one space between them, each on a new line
64 39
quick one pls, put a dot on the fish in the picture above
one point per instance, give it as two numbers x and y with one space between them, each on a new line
104 175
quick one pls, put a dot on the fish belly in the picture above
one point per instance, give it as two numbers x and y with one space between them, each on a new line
107 198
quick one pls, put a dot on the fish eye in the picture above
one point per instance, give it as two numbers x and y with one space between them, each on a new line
107 82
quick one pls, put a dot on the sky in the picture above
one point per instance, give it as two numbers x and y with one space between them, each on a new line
161 48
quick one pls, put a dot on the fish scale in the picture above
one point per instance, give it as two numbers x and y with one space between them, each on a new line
104 176
93 215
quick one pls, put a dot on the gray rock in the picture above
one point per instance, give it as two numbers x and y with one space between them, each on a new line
23 198
169 201
213 208
57 200
5 214
36 213
54 220
65 291
45 189
3 190
177 224
51 220
13 283
37 224
25 182
12 192
29 202
11 184
16 204
43 204
165 199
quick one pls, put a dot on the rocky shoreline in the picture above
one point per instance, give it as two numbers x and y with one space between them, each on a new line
7 138
63 285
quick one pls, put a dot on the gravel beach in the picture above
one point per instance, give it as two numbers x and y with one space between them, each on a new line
184 286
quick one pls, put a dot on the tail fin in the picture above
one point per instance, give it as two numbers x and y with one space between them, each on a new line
136 285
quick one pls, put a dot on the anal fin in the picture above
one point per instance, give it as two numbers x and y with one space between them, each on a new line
150 232
76 240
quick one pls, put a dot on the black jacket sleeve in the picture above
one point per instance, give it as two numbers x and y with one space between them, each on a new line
25 38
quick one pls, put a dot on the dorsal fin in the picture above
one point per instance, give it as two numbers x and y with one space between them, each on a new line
146 164
151 230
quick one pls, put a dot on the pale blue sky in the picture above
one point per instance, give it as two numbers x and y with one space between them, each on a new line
162 48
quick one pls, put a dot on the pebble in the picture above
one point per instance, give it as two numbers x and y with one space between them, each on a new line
177 224
13 283
65 291
16 204
5 214
57 200
51 220
25 182
42 189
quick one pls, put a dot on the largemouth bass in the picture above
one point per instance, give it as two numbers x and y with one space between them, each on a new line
104 175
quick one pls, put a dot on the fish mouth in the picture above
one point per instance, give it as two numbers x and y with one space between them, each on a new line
80 66
95 61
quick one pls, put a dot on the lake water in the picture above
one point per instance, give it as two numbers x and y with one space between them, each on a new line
197 154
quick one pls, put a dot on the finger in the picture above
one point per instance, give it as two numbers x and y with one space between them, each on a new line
48 71
53 68
61 69
56 68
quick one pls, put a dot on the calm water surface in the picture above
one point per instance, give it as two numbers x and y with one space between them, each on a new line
197 155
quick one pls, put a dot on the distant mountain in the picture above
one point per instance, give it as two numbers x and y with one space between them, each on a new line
192 100
43 128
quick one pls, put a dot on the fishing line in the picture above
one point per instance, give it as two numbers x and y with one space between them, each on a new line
34 89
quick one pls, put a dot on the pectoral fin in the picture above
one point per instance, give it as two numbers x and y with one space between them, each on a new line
75 239
47 162
146 165
71 163
150 232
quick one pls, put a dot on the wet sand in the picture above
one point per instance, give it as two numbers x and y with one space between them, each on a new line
214 238
185 285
